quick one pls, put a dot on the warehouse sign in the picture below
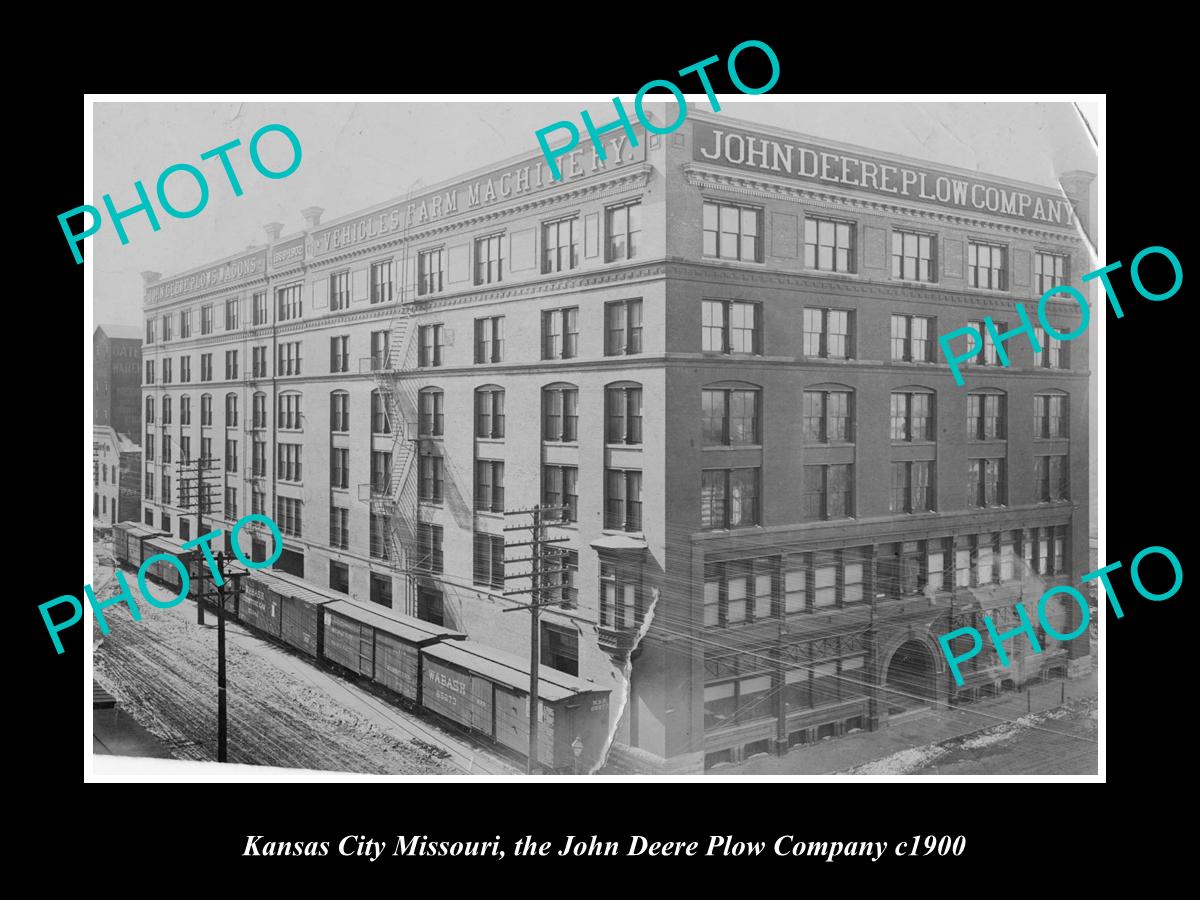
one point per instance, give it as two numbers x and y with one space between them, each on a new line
499 186
824 165
251 266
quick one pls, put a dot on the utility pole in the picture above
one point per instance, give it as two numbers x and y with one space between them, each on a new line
221 559
539 558
203 504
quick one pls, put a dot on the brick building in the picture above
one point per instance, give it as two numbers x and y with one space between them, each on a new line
117 378
718 350
116 476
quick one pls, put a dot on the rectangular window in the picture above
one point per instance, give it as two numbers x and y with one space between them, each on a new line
489 339
431 270
560 414
339 577
560 245
289 359
912 416
206 319
1049 271
560 487
166 369
740 591
339 291
429 548
559 648
1055 352
912 338
380 423
913 256
185 323
205 367
732 232
231 365
623 226
381 589
381 281
258 361
379 536
912 489
381 342
260 411
260 309
288 515
489 262
623 324
986 482
231 455
432 478
289 412
624 415
560 333
231 314
1050 416
987 266
231 510
829 245
258 505
827 333
339 353
489 485
828 492
729 417
339 527
258 459
986 417
1052 477
488 568
339 467
731 326
432 418
623 499
564 579
489 413
185 369
287 302
381 471
828 417
620 595
289 465
729 498
987 356
206 409
166 328
429 345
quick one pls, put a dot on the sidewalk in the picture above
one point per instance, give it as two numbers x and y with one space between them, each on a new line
115 733
838 754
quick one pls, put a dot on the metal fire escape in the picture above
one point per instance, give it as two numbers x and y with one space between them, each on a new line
395 498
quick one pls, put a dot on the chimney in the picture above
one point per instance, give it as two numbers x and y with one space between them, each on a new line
273 230
1077 185
312 216
148 278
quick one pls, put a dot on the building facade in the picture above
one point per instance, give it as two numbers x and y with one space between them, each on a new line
116 477
716 352
117 379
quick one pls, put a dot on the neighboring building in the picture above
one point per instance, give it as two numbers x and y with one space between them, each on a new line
719 350
117 378
116 477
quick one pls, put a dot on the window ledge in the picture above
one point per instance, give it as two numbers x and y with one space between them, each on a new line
726 447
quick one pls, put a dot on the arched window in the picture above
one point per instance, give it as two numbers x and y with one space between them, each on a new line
149 410
431 402
166 410
1051 415
828 414
379 414
206 409
231 410
913 414
623 413
339 411
987 415
289 416
730 414
259 415
489 411
560 413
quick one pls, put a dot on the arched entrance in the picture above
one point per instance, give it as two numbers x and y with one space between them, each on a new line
909 683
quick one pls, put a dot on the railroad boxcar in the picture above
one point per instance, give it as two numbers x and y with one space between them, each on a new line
387 649
487 690
258 606
299 612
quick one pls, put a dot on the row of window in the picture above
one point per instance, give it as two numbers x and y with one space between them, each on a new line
733 232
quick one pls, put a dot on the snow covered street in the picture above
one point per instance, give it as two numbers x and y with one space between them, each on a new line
283 709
